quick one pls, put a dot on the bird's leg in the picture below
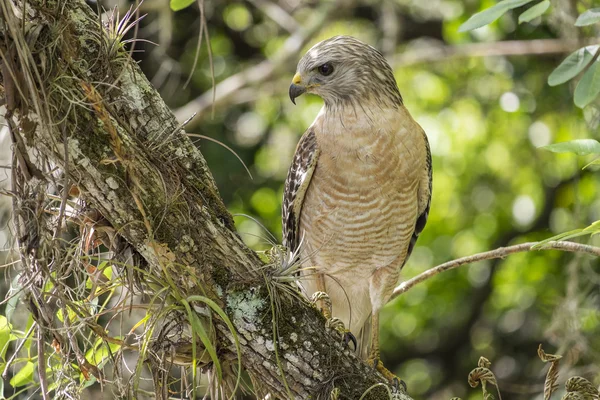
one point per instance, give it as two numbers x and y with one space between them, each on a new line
380 285
374 345
324 302
322 298
374 354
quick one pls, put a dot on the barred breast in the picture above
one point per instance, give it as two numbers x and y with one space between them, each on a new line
360 209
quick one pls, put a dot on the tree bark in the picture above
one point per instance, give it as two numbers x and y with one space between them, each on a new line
79 101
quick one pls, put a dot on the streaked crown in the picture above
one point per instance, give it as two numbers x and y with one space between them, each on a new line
343 70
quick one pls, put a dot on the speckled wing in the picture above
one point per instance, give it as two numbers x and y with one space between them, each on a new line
296 184
424 198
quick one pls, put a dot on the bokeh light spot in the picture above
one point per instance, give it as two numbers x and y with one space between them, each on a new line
510 102
523 210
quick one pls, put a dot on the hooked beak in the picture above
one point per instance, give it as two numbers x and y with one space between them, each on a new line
296 88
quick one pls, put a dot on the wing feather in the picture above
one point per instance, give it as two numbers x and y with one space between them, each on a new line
296 184
424 198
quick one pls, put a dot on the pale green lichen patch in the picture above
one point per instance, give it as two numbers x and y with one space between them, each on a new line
246 307
135 94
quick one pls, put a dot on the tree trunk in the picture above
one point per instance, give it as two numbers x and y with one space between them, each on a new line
76 100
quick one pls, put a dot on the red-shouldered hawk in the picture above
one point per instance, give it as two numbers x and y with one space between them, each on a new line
358 191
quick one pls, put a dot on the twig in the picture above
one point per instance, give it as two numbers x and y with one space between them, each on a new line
16 352
199 46
277 14
497 253
224 146
42 363
434 53
65 192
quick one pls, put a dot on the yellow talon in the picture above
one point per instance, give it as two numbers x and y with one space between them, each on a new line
376 363
324 302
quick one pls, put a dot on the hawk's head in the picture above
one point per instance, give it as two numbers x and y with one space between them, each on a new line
342 70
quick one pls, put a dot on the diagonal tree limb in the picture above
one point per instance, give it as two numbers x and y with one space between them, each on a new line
133 163
228 89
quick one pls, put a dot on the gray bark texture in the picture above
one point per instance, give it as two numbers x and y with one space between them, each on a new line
75 99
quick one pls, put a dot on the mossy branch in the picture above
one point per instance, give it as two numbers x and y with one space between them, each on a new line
78 106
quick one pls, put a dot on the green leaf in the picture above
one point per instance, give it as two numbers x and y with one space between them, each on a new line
589 17
28 338
594 228
87 382
572 65
534 11
177 5
72 314
198 329
5 336
588 87
24 376
491 14
580 147
561 236
101 352
107 271
215 307
596 161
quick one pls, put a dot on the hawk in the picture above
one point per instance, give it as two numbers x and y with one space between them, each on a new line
358 191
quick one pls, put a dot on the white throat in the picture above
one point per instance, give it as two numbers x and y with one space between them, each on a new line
356 129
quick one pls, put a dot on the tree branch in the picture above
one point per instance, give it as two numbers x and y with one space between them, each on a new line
245 82
277 14
424 53
497 253
142 180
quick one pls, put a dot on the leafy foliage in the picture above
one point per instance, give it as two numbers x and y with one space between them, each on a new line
588 87
178 5
24 376
535 11
491 14
581 147
589 17
572 65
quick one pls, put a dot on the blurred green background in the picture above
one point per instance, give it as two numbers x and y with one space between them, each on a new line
483 99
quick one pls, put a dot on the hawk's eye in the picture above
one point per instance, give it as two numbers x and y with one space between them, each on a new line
325 69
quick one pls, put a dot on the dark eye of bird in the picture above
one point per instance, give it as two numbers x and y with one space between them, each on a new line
325 69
